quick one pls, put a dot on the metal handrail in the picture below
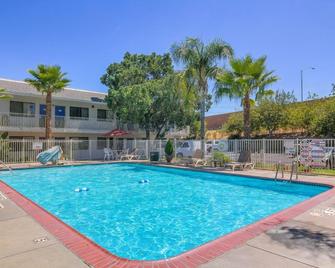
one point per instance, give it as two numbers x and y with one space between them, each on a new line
6 166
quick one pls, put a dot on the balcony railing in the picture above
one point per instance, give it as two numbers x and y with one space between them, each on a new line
26 121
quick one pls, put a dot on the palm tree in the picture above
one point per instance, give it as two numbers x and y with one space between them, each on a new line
4 95
48 80
246 78
200 62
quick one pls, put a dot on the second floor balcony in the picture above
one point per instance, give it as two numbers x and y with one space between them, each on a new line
61 124
30 122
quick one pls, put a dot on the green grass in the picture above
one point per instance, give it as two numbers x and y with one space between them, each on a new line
329 172
302 170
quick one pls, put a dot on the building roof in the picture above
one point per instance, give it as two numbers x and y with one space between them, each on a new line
215 122
21 88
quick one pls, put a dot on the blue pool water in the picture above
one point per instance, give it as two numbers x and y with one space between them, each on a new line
175 211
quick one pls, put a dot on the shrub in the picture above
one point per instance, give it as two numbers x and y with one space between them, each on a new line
169 151
169 148
221 157
4 145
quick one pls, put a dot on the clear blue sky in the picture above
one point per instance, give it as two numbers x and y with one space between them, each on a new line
84 36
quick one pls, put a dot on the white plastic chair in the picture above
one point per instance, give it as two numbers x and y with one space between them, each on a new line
108 154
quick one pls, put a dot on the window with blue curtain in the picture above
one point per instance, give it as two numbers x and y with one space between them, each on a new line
43 109
60 110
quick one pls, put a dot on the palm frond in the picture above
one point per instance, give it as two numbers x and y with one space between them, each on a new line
48 78
4 95
218 49
199 59
247 76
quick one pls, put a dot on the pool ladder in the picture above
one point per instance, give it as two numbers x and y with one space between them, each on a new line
280 167
6 166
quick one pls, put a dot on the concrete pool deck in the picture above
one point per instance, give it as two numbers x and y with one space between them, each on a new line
306 240
25 243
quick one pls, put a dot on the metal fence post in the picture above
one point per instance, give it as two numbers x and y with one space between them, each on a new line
71 147
90 148
235 146
263 150
23 151
160 149
124 144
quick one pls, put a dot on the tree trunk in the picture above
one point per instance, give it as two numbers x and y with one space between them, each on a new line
159 131
147 134
246 116
203 88
48 134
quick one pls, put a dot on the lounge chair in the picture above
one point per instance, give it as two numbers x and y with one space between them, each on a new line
196 159
133 155
244 161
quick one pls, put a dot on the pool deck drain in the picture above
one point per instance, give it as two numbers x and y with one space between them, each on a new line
305 240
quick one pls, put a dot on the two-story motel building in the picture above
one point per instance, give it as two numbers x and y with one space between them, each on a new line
76 114
80 116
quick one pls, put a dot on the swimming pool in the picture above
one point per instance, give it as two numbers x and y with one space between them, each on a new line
177 210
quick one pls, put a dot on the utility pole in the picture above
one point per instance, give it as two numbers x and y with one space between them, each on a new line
302 82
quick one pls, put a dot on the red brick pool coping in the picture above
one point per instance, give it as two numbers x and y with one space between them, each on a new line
96 256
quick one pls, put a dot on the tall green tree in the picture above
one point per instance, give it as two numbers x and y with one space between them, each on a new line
247 77
136 69
48 80
200 61
145 90
154 105
4 95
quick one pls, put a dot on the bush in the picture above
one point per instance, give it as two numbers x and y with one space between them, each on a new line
169 148
169 151
234 125
4 145
221 157
324 124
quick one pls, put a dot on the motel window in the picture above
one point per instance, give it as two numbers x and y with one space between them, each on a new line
101 143
22 108
78 113
80 143
104 115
